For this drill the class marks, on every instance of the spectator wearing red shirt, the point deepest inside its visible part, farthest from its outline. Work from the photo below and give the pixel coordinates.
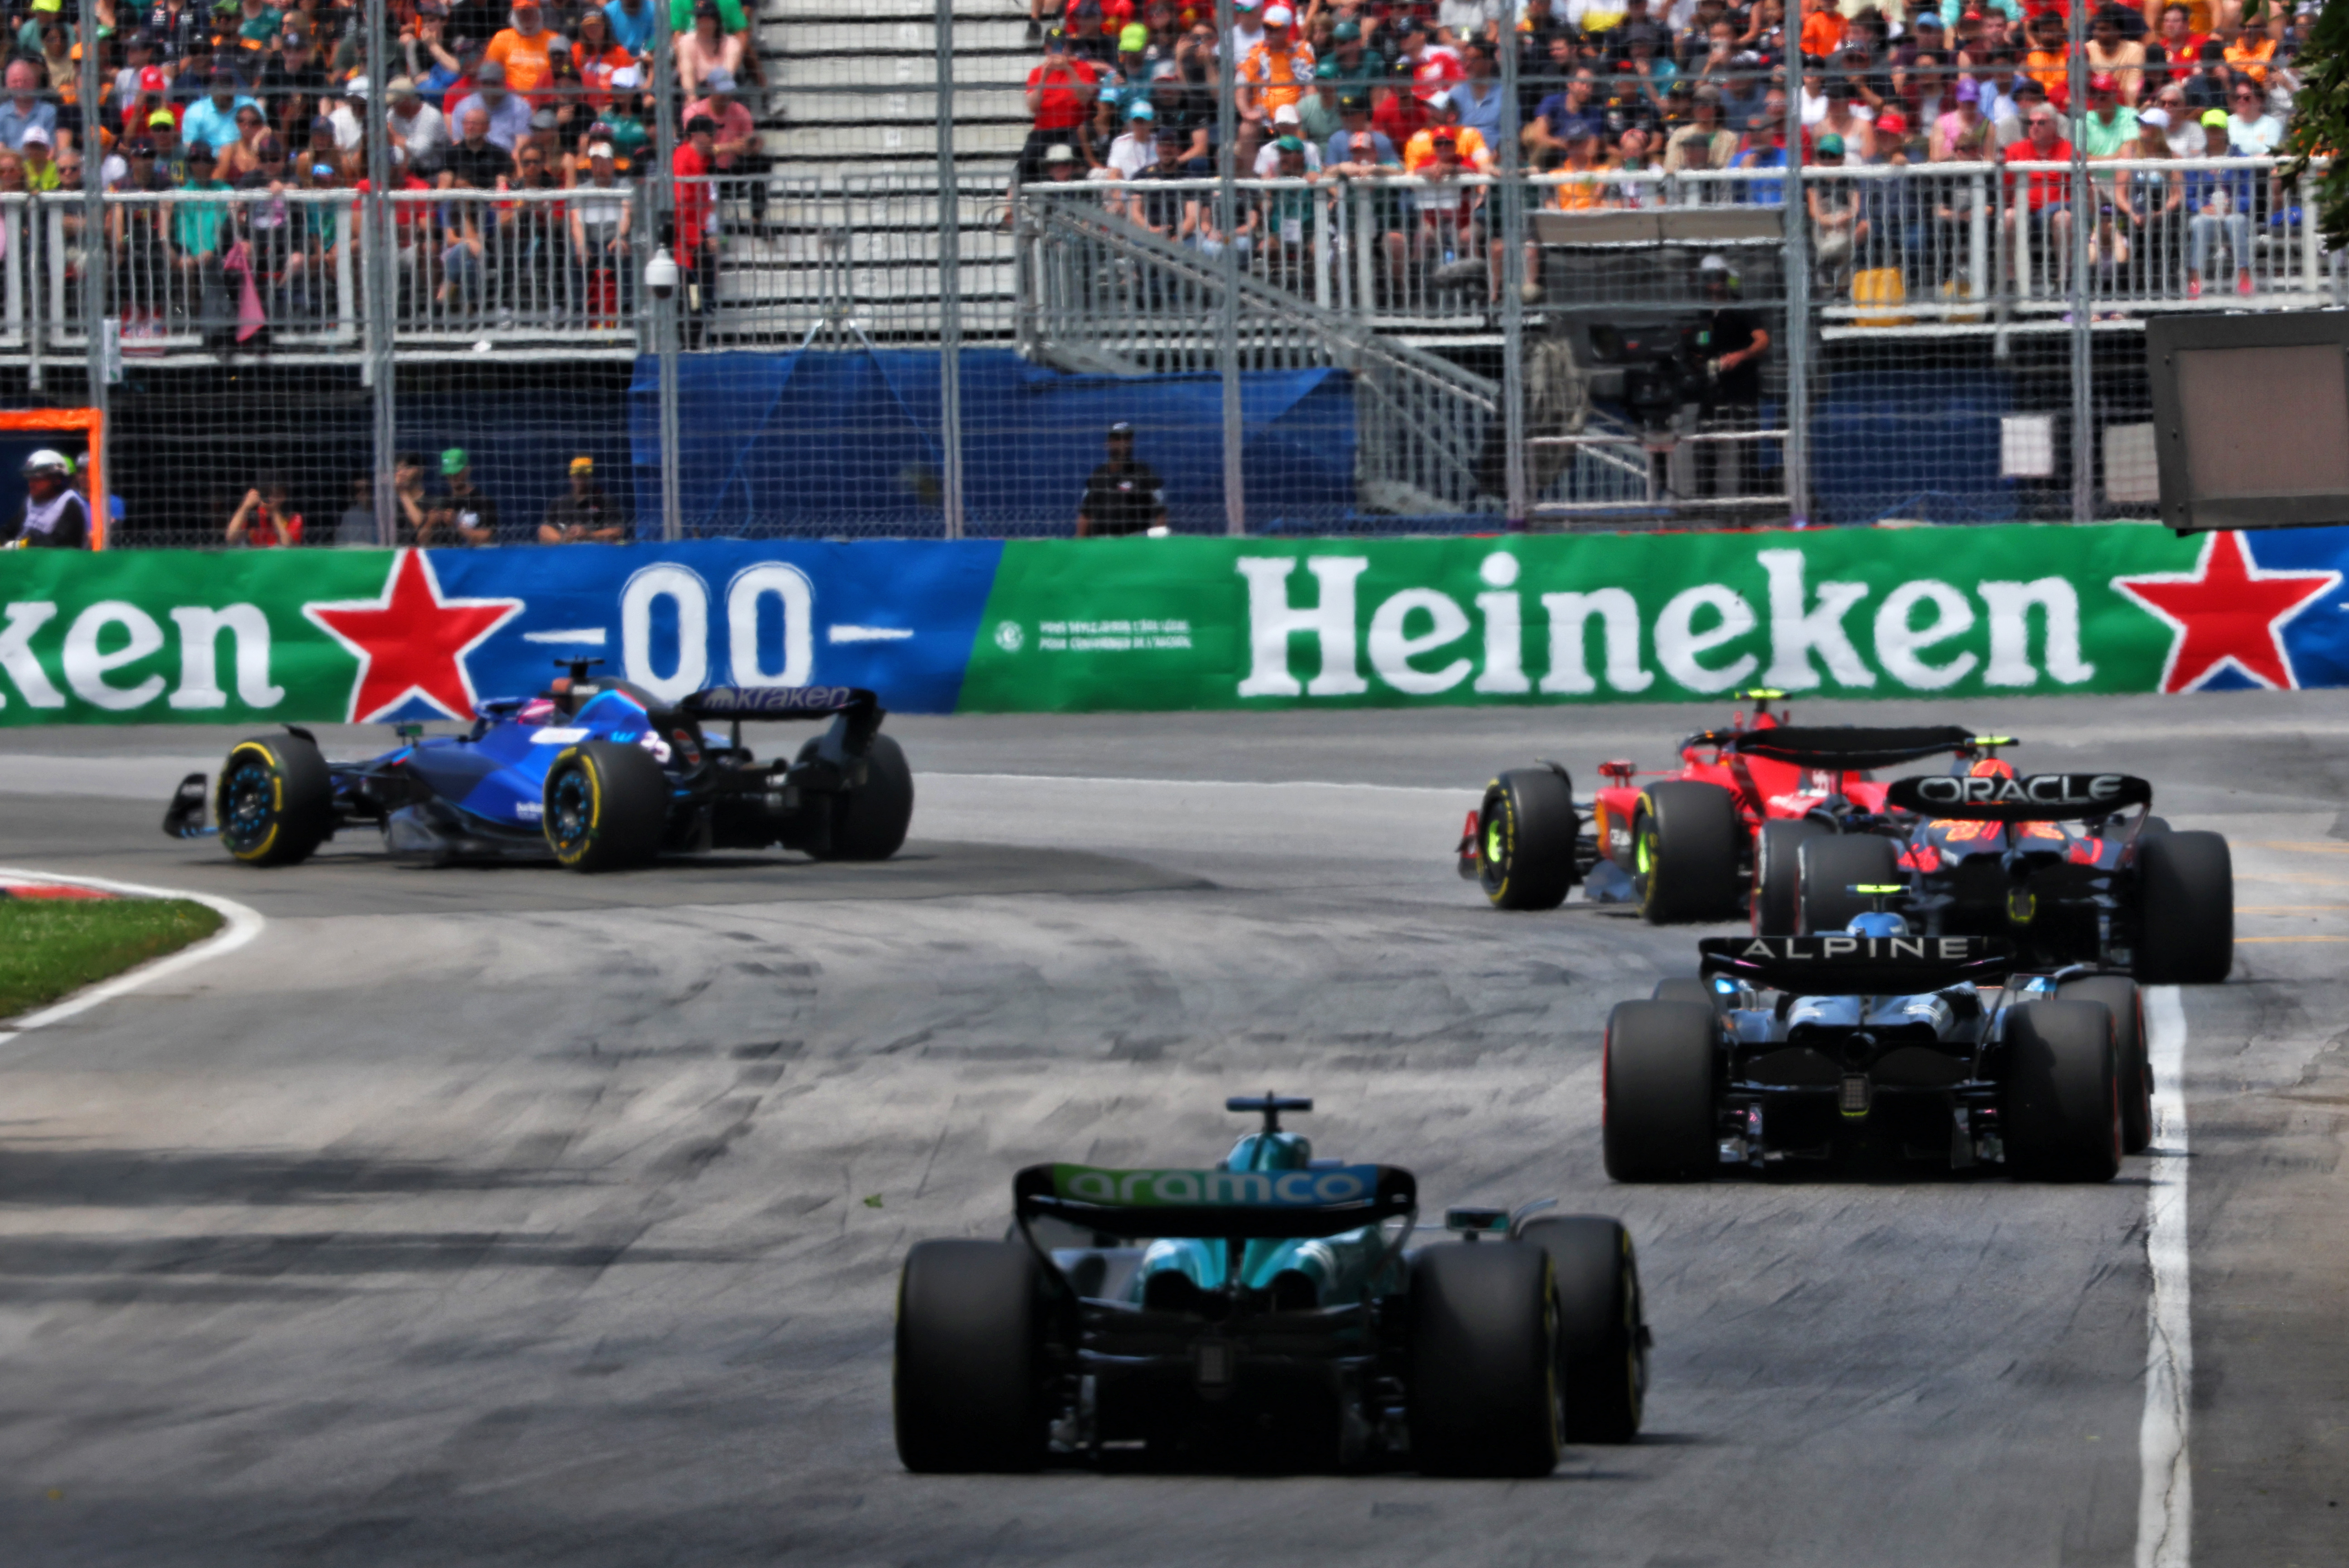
(697, 251)
(266, 519)
(1061, 94)
(2045, 203)
(739, 154)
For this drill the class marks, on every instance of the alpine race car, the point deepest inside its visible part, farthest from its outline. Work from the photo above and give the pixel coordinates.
(1720, 837)
(2071, 867)
(1268, 1311)
(593, 774)
(1924, 1048)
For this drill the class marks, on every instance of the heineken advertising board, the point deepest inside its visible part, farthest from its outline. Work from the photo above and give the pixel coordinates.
(1177, 623)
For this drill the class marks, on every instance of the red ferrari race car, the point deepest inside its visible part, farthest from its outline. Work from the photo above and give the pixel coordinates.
(1720, 836)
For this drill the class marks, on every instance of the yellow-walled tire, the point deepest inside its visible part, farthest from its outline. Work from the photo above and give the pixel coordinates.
(605, 807)
(1526, 834)
(274, 802)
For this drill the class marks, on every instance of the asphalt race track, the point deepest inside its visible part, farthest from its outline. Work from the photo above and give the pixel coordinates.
(508, 1216)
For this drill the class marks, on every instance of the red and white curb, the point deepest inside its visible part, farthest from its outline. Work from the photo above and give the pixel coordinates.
(243, 925)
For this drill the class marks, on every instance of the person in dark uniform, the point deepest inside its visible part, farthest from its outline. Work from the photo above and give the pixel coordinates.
(1123, 496)
(55, 516)
(1731, 343)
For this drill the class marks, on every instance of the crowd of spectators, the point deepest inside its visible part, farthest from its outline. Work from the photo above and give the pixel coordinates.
(266, 105)
(1614, 93)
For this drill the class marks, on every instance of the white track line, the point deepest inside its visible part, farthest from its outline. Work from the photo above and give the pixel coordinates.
(2164, 1509)
(1459, 790)
(243, 924)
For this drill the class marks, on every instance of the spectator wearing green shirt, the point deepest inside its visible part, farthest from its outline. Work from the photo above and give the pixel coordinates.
(258, 23)
(40, 170)
(201, 233)
(729, 16)
(2109, 129)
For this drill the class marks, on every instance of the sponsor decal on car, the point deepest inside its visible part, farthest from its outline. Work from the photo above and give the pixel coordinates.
(561, 735)
(2030, 789)
(746, 701)
(1166, 1189)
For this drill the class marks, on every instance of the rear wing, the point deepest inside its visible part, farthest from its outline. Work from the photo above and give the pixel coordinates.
(779, 701)
(2028, 797)
(1848, 748)
(1856, 966)
(1233, 1204)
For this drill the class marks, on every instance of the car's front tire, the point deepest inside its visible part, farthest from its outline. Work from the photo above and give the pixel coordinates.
(275, 800)
(1484, 1361)
(605, 807)
(1658, 1116)
(968, 1382)
(1526, 831)
(1685, 846)
(1602, 1332)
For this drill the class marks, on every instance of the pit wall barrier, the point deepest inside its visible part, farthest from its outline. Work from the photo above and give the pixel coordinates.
(1146, 624)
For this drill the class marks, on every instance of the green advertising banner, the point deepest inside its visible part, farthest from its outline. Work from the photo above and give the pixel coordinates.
(1243, 623)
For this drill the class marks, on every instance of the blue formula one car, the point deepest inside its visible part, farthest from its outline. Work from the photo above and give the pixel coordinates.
(1268, 1312)
(595, 774)
(1877, 1041)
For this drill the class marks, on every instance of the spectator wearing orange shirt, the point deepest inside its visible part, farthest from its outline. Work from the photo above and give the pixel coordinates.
(2250, 53)
(1277, 71)
(1822, 29)
(524, 49)
(1420, 151)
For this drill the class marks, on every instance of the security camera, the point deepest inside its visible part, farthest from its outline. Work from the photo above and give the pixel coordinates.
(660, 273)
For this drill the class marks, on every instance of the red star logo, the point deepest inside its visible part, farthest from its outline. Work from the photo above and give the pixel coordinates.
(2227, 611)
(412, 642)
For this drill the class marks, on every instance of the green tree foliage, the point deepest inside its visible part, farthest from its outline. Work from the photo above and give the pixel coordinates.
(2320, 120)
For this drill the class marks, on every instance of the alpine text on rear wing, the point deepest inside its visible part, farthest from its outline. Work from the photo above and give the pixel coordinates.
(1854, 965)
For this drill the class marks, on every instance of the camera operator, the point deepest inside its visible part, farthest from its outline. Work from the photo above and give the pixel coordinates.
(1731, 342)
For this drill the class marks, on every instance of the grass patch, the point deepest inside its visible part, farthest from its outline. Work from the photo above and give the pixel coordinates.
(50, 948)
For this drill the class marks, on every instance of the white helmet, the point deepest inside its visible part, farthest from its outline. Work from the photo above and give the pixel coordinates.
(46, 459)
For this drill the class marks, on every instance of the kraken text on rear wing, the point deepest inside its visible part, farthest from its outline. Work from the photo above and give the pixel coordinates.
(2029, 797)
(777, 701)
(1855, 965)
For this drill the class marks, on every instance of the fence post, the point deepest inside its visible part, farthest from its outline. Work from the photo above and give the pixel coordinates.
(949, 283)
(96, 254)
(1227, 320)
(661, 190)
(1512, 269)
(1797, 448)
(382, 289)
(2083, 217)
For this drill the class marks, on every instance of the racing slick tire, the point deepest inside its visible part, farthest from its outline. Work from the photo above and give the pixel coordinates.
(1484, 1361)
(1527, 831)
(1657, 1116)
(2061, 1120)
(968, 1380)
(1681, 988)
(2155, 827)
(606, 807)
(1602, 1334)
(2120, 997)
(869, 822)
(275, 801)
(1685, 845)
(1833, 862)
(2186, 909)
(1778, 901)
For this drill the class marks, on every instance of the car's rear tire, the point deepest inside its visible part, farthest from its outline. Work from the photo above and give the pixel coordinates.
(869, 822)
(1777, 897)
(968, 1380)
(1526, 831)
(1833, 862)
(2120, 997)
(1681, 988)
(1685, 847)
(1484, 1361)
(275, 800)
(2186, 908)
(1658, 1119)
(1602, 1331)
(2062, 1119)
(605, 807)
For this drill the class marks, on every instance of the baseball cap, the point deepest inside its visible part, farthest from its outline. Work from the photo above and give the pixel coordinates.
(1345, 32)
(321, 125)
(599, 150)
(402, 86)
(1287, 115)
(541, 119)
(1831, 145)
(1893, 120)
(454, 460)
(1714, 263)
(1288, 144)
(36, 133)
(1134, 39)
(699, 123)
(1279, 16)
(1123, 427)
(152, 79)
(1968, 91)
(1060, 153)
(356, 88)
(1140, 110)
(162, 117)
(2156, 118)
(583, 465)
(2216, 117)
(491, 73)
(141, 147)
(2103, 82)
(1439, 100)
(1354, 103)
(202, 152)
(627, 78)
(1326, 71)
(720, 80)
